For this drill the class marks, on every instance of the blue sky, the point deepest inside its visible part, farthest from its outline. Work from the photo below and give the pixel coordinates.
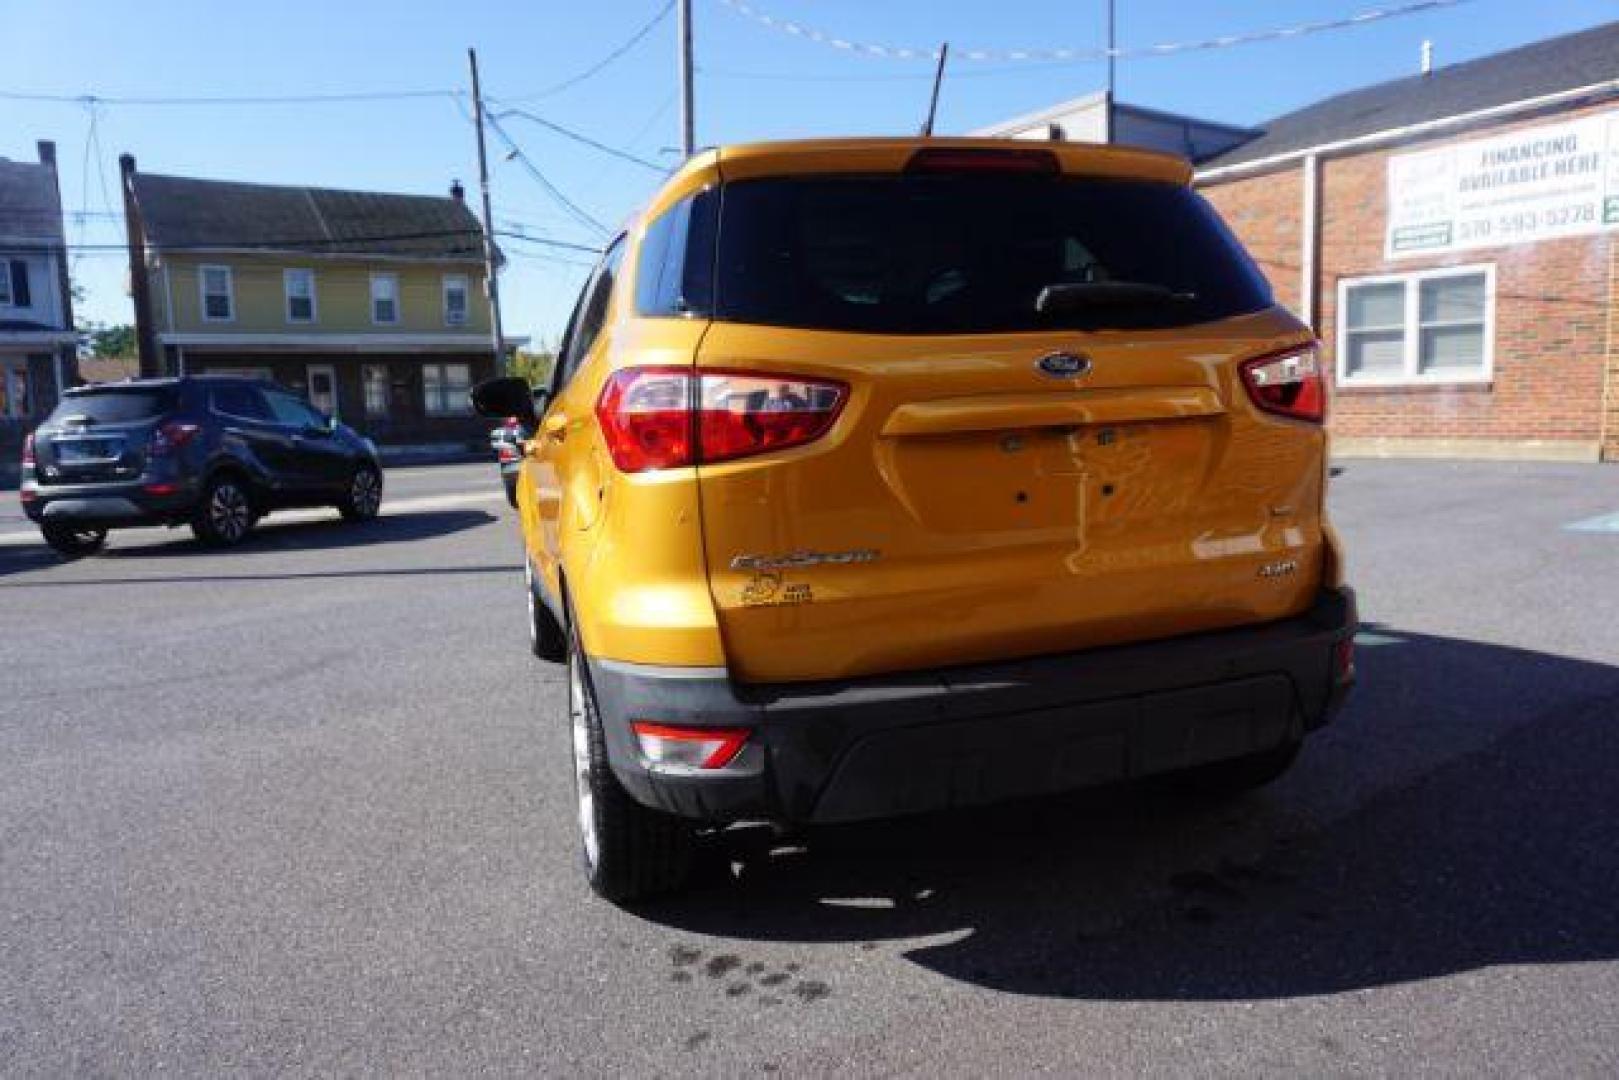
(754, 83)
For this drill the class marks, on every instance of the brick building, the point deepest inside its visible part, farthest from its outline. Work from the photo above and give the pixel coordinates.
(1453, 237)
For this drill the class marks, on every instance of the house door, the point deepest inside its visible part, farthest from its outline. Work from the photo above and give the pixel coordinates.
(323, 388)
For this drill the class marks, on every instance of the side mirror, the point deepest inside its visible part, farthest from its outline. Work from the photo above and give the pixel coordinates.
(503, 397)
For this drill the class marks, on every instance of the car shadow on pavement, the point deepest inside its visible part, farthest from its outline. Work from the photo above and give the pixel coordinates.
(1456, 816)
(129, 546)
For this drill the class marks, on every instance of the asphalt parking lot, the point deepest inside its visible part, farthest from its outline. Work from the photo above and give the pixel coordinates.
(305, 806)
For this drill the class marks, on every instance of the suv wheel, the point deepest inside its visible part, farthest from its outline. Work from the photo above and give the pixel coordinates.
(363, 499)
(545, 637)
(73, 540)
(630, 851)
(224, 515)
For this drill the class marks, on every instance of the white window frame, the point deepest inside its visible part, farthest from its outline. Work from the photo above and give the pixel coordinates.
(6, 292)
(287, 298)
(229, 294)
(1411, 373)
(366, 386)
(464, 408)
(398, 303)
(464, 283)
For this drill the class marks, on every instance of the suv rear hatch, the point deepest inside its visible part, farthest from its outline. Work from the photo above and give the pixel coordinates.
(1035, 433)
(101, 434)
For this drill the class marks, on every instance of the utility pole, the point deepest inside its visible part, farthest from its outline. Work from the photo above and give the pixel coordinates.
(1112, 60)
(492, 284)
(688, 122)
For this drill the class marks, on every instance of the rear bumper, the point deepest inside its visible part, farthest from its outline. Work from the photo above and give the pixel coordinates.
(919, 741)
(106, 505)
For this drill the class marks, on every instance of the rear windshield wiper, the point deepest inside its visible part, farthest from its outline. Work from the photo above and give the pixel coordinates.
(1075, 295)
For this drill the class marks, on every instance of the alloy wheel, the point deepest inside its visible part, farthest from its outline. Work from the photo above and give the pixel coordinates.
(229, 512)
(579, 724)
(365, 493)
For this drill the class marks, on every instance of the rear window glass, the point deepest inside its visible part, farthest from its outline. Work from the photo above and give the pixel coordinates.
(116, 406)
(956, 253)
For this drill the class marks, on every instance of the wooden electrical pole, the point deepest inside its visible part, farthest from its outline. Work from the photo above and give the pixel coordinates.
(490, 256)
(688, 122)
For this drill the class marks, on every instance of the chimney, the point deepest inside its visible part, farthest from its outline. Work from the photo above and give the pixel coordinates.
(457, 192)
(47, 153)
(1427, 57)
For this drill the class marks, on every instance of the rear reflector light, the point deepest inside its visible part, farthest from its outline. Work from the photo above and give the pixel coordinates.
(28, 450)
(945, 160)
(697, 748)
(171, 437)
(1288, 384)
(160, 489)
(666, 418)
(1343, 659)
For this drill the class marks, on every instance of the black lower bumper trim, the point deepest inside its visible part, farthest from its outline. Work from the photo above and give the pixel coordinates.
(917, 741)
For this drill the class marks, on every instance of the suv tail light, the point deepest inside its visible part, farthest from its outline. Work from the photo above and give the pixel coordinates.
(1288, 383)
(696, 748)
(665, 418)
(28, 450)
(171, 437)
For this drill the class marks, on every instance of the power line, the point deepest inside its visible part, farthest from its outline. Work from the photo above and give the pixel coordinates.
(548, 242)
(585, 140)
(516, 152)
(275, 99)
(633, 40)
(905, 52)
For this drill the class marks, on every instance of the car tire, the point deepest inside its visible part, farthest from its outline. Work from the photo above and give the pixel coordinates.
(546, 638)
(1227, 779)
(74, 541)
(629, 851)
(225, 514)
(363, 499)
(511, 489)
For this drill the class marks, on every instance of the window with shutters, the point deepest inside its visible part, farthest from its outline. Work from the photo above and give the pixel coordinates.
(1430, 326)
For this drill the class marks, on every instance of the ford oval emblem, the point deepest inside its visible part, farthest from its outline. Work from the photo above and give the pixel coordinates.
(1064, 365)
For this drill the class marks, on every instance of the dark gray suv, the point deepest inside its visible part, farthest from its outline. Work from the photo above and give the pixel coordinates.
(213, 452)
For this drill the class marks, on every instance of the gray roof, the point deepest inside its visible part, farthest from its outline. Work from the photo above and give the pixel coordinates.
(181, 212)
(1545, 67)
(29, 209)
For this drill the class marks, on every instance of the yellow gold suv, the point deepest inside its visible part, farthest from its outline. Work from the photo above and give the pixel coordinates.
(887, 475)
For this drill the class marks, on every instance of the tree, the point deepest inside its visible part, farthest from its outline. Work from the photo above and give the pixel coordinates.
(535, 367)
(110, 342)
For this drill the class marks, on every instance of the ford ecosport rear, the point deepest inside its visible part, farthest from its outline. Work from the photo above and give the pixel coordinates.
(885, 476)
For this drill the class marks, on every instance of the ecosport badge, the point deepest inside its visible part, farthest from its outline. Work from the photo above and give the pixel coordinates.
(803, 558)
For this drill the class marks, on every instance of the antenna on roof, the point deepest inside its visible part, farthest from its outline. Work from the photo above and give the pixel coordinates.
(1427, 56)
(938, 78)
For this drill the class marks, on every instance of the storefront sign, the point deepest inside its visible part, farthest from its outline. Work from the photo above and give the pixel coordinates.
(1534, 184)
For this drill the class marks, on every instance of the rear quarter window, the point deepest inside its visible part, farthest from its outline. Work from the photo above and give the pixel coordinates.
(115, 406)
(962, 253)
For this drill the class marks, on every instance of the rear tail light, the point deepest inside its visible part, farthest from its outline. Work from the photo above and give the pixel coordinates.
(507, 453)
(28, 450)
(1288, 384)
(696, 748)
(665, 418)
(170, 437)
